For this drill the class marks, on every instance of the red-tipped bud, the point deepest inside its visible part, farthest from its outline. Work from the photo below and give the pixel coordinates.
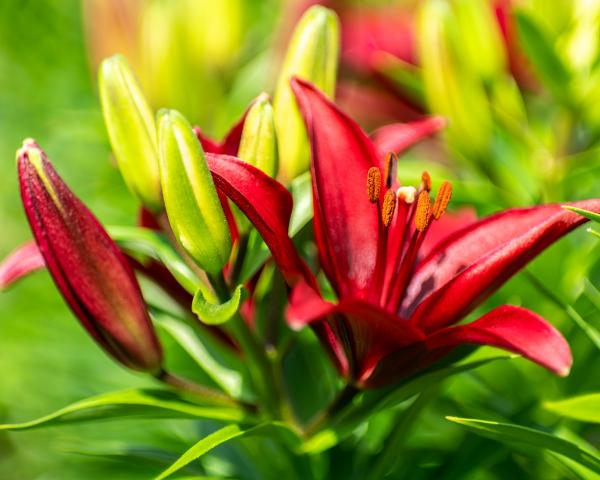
(88, 268)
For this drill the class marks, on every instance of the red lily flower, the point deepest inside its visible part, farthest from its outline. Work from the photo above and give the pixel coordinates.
(88, 268)
(396, 307)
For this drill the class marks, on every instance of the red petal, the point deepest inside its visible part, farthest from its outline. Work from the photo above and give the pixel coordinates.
(399, 137)
(21, 262)
(368, 333)
(442, 229)
(88, 268)
(208, 144)
(267, 204)
(231, 142)
(345, 221)
(514, 329)
(472, 264)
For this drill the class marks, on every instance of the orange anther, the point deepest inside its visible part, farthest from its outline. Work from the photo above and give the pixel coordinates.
(390, 169)
(389, 205)
(373, 184)
(423, 212)
(426, 181)
(442, 199)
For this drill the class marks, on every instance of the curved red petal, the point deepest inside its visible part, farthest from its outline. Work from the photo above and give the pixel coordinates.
(267, 204)
(514, 329)
(345, 221)
(399, 137)
(468, 267)
(21, 262)
(366, 332)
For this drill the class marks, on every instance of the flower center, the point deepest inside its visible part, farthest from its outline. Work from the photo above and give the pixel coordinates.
(405, 215)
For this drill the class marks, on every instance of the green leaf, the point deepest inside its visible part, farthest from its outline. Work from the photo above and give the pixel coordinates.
(403, 75)
(222, 436)
(147, 244)
(363, 407)
(534, 440)
(593, 232)
(585, 213)
(302, 213)
(134, 403)
(585, 408)
(217, 313)
(228, 379)
(541, 53)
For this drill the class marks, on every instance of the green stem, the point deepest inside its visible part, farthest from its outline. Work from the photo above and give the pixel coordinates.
(207, 394)
(343, 398)
(392, 447)
(261, 368)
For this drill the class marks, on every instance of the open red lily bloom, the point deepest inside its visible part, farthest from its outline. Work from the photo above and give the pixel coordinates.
(396, 307)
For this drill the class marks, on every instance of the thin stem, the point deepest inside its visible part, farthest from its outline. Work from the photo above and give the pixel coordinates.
(392, 447)
(207, 394)
(343, 398)
(239, 258)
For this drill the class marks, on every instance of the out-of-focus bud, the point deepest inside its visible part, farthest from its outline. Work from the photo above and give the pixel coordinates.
(258, 145)
(131, 129)
(88, 268)
(312, 55)
(450, 90)
(193, 206)
(481, 46)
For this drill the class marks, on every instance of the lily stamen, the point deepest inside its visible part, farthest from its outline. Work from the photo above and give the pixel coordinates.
(373, 184)
(425, 182)
(388, 208)
(423, 211)
(442, 199)
(391, 164)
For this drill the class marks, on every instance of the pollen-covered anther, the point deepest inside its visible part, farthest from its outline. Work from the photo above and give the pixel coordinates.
(426, 181)
(373, 184)
(442, 199)
(390, 168)
(423, 211)
(389, 205)
(406, 194)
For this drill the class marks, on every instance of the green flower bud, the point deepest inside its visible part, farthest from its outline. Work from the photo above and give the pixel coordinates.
(311, 55)
(190, 196)
(258, 145)
(131, 129)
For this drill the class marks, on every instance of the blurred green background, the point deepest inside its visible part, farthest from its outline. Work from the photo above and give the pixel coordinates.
(47, 91)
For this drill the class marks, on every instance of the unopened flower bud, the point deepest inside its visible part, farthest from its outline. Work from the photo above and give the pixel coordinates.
(131, 129)
(313, 56)
(193, 206)
(88, 268)
(258, 145)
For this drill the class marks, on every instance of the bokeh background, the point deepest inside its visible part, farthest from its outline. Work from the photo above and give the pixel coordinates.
(48, 53)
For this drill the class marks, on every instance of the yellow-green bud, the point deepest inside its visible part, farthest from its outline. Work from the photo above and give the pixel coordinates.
(311, 55)
(190, 196)
(258, 145)
(131, 129)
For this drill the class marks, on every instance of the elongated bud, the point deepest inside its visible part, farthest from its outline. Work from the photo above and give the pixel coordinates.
(311, 55)
(131, 129)
(191, 199)
(88, 268)
(258, 145)
(423, 212)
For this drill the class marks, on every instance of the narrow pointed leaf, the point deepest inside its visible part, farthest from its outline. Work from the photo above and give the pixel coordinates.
(134, 403)
(586, 213)
(585, 408)
(21, 262)
(217, 313)
(533, 440)
(222, 436)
